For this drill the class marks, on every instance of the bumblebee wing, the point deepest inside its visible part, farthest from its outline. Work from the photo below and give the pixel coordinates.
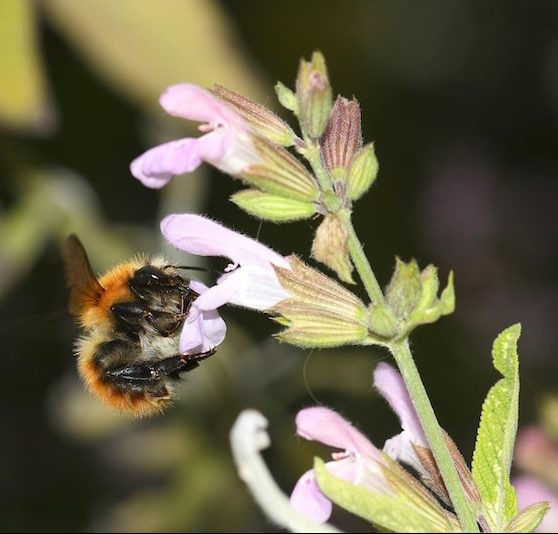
(81, 279)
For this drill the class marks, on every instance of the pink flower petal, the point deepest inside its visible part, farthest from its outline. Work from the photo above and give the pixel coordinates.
(191, 337)
(229, 150)
(195, 103)
(217, 296)
(199, 287)
(156, 167)
(328, 427)
(390, 384)
(198, 235)
(308, 499)
(214, 329)
(202, 331)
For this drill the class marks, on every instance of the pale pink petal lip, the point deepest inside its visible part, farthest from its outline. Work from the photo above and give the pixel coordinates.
(328, 427)
(308, 499)
(192, 102)
(390, 384)
(201, 236)
(156, 167)
(191, 338)
(203, 330)
(217, 295)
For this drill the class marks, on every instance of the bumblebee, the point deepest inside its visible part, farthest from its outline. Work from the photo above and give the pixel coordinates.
(131, 317)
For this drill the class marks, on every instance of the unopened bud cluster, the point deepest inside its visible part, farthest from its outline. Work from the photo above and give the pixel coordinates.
(411, 300)
(282, 188)
(339, 169)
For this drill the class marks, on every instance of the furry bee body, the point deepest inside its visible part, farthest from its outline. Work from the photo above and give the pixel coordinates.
(131, 317)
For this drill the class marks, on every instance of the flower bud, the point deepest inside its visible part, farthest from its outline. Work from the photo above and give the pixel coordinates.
(313, 94)
(263, 121)
(362, 172)
(319, 311)
(270, 207)
(342, 138)
(412, 296)
(404, 289)
(280, 173)
(286, 97)
(330, 247)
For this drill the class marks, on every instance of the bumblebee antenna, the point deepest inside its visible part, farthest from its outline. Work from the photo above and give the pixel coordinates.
(191, 267)
(195, 268)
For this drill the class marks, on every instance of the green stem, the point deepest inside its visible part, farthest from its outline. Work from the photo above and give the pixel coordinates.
(402, 354)
(360, 260)
(314, 156)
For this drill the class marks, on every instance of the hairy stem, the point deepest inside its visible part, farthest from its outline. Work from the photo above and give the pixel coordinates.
(314, 156)
(404, 359)
(402, 354)
(360, 260)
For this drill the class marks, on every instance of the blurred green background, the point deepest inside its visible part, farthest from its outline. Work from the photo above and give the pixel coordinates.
(461, 100)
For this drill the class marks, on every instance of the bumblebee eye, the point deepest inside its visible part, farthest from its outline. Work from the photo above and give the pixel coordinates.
(147, 276)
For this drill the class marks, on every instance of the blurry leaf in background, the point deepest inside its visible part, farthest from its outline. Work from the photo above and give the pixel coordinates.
(549, 415)
(142, 47)
(52, 204)
(23, 94)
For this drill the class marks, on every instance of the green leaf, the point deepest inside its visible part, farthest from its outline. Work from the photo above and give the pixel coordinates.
(272, 207)
(529, 519)
(388, 512)
(142, 47)
(496, 434)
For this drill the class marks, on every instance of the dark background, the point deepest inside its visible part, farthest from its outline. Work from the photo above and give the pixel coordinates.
(461, 101)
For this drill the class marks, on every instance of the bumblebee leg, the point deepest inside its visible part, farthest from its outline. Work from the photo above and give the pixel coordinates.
(131, 315)
(175, 365)
(150, 373)
(134, 316)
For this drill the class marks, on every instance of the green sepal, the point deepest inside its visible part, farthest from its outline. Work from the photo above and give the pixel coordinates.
(280, 173)
(391, 513)
(286, 97)
(362, 172)
(270, 207)
(327, 333)
(404, 289)
(529, 519)
(381, 322)
(430, 308)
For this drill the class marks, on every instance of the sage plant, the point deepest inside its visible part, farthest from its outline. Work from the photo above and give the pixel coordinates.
(321, 172)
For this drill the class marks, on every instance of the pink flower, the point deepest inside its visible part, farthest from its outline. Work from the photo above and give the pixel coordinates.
(250, 282)
(202, 330)
(390, 384)
(360, 462)
(359, 456)
(226, 143)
